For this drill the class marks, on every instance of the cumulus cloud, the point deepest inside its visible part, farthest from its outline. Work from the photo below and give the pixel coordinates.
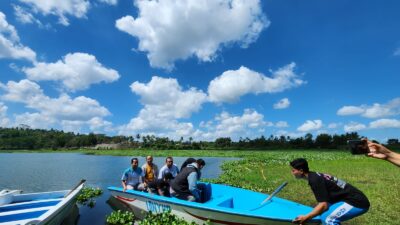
(61, 9)
(376, 110)
(354, 126)
(10, 46)
(282, 104)
(4, 121)
(230, 125)
(35, 120)
(165, 103)
(310, 125)
(165, 98)
(50, 111)
(197, 26)
(76, 71)
(350, 110)
(233, 84)
(385, 123)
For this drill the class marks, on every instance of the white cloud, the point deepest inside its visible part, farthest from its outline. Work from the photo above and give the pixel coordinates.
(10, 46)
(35, 120)
(281, 124)
(76, 71)
(110, 2)
(233, 84)
(61, 9)
(350, 110)
(23, 16)
(165, 103)
(310, 125)
(250, 124)
(354, 126)
(372, 111)
(164, 97)
(4, 121)
(385, 123)
(182, 29)
(51, 111)
(230, 125)
(282, 104)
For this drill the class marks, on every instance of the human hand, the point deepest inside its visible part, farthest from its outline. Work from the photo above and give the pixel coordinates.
(300, 220)
(124, 189)
(377, 150)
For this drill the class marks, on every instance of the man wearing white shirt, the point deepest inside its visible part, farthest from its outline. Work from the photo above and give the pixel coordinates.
(169, 167)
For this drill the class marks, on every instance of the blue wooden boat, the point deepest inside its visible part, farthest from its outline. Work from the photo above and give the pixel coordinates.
(222, 204)
(37, 208)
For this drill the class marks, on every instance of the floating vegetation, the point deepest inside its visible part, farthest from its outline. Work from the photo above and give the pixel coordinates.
(120, 218)
(164, 218)
(87, 195)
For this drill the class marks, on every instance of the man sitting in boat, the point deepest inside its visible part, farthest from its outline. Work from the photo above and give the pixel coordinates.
(150, 171)
(132, 177)
(337, 200)
(185, 184)
(169, 167)
(161, 186)
(187, 162)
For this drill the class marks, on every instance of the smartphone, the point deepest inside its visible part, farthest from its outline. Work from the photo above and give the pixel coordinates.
(358, 147)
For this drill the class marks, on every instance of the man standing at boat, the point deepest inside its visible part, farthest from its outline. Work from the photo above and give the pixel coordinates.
(185, 184)
(132, 177)
(169, 167)
(338, 201)
(150, 170)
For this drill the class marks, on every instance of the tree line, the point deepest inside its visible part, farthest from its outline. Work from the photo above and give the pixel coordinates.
(34, 139)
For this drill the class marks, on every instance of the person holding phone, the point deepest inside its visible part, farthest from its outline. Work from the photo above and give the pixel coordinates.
(338, 201)
(379, 151)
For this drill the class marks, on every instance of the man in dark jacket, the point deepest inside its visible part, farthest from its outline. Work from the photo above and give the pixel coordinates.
(185, 184)
(337, 200)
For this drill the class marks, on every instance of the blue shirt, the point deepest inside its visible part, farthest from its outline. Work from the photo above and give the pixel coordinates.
(132, 177)
(173, 170)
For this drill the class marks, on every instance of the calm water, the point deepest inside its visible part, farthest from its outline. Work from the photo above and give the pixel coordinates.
(33, 172)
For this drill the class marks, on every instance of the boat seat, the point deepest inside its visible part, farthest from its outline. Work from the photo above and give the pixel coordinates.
(223, 201)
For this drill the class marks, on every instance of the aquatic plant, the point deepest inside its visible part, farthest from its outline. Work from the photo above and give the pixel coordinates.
(164, 218)
(120, 218)
(87, 195)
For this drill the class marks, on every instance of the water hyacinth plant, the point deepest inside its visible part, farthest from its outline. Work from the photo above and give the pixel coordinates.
(87, 195)
(164, 218)
(120, 218)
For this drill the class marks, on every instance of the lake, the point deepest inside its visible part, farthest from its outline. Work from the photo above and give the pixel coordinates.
(37, 172)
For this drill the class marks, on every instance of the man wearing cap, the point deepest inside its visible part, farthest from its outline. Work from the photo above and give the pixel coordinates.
(338, 201)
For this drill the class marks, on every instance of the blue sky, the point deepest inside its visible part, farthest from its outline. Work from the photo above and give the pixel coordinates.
(202, 69)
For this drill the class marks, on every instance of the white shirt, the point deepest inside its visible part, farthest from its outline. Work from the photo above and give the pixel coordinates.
(173, 170)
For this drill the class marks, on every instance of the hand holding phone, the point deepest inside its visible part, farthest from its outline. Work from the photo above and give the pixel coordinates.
(358, 147)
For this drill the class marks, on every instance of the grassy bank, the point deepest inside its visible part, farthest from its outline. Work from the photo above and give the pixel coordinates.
(265, 170)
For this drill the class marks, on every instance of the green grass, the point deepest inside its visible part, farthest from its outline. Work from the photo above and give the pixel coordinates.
(265, 170)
